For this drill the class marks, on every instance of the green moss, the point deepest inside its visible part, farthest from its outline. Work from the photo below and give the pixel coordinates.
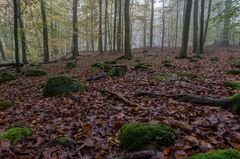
(235, 103)
(35, 72)
(236, 64)
(134, 137)
(34, 65)
(72, 64)
(143, 66)
(233, 72)
(164, 77)
(233, 84)
(65, 141)
(193, 60)
(189, 76)
(117, 71)
(101, 65)
(5, 104)
(16, 134)
(59, 85)
(219, 154)
(5, 77)
(123, 58)
(166, 63)
(214, 59)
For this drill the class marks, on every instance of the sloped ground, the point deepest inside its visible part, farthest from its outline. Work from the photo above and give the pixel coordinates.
(94, 119)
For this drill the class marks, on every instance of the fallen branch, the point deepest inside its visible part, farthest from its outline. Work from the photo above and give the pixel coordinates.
(231, 103)
(120, 97)
(139, 155)
(100, 76)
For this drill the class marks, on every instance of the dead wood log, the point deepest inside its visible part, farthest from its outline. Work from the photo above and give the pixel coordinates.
(120, 97)
(231, 103)
(98, 77)
(139, 155)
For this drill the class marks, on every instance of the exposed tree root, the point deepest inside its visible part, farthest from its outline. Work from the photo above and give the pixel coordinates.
(121, 98)
(231, 103)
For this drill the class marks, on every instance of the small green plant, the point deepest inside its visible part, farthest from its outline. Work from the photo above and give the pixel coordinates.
(134, 137)
(65, 141)
(15, 134)
(233, 72)
(233, 84)
(5, 104)
(143, 66)
(59, 85)
(164, 77)
(72, 64)
(101, 65)
(5, 77)
(166, 63)
(188, 76)
(34, 65)
(117, 71)
(234, 103)
(35, 72)
(218, 154)
(236, 64)
(193, 60)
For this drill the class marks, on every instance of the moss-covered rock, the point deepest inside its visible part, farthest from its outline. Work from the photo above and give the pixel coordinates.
(235, 103)
(5, 77)
(59, 85)
(164, 77)
(117, 71)
(15, 134)
(35, 72)
(219, 154)
(5, 104)
(188, 76)
(166, 63)
(233, 84)
(134, 137)
(233, 72)
(142, 66)
(65, 141)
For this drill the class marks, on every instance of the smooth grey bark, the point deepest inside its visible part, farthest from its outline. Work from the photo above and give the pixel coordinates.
(2, 52)
(106, 26)
(176, 32)
(195, 26)
(119, 30)
(75, 52)
(207, 21)
(115, 26)
(163, 26)
(151, 23)
(227, 23)
(127, 46)
(100, 47)
(201, 34)
(15, 9)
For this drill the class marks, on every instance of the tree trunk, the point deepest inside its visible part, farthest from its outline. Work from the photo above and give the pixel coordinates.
(75, 30)
(100, 47)
(106, 26)
(195, 26)
(163, 26)
(15, 7)
(115, 26)
(207, 21)
(201, 34)
(151, 23)
(119, 32)
(176, 32)
(3, 55)
(45, 32)
(127, 46)
(227, 23)
(186, 26)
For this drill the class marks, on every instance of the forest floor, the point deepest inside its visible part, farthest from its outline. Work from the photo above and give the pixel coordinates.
(94, 119)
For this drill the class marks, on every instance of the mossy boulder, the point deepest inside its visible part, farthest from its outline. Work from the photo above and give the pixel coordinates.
(134, 137)
(117, 71)
(35, 72)
(142, 66)
(65, 141)
(234, 72)
(166, 63)
(59, 85)
(233, 84)
(15, 134)
(188, 76)
(5, 77)
(235, 103)
(218, 154)
(5, 104)
(164, 77)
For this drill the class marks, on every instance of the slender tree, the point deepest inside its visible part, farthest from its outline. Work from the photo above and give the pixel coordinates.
(115, 26)
(207, 21)
(176, 32)
(119, 30)
(201, 34)
(128, 52)
(186, 26)
(106, 26)
(45, 31)
(151, 23)
(2, 52)
(15, 10)
(75, 30)
(195, 26)
(100, 47)
(227, 23)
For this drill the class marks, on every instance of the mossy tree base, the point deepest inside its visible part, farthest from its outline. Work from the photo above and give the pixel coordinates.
(59, 85)
(15, 134)
(219, 154)
(142, 66)
(134, 137)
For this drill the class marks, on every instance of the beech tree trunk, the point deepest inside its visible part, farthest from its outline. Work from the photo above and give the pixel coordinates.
(128, 52)
(115, 26)
(15, 8)
(207, 22)
(227, 23)
(201, 40)
(151, 23)
(100, 47)
(45, 32)
(119, 32)
(75, 30)
(2, 52)
(195, 26)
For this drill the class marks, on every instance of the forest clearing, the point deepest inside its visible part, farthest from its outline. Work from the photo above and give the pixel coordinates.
(119, 79)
